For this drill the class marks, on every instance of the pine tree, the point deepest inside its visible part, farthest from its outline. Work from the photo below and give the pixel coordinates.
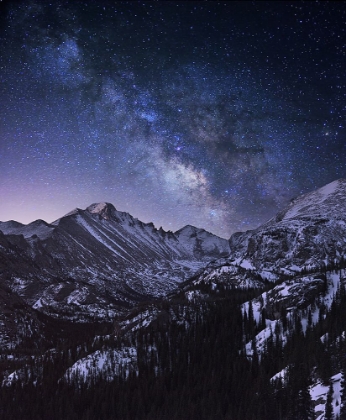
(343, 390)
(299, 398)
(305, 409)
(251, 320)
(343, 397)
(329, 414)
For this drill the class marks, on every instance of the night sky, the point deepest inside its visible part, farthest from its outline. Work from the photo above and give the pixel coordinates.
(214, 114)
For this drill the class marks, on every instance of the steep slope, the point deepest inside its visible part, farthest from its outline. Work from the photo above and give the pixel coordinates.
(99, 260)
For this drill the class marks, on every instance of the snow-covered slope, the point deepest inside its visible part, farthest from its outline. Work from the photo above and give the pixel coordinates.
(107, 363)
(324, 202)
(200, 243)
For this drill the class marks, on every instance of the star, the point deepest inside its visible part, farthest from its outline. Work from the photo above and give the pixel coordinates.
(213, 114)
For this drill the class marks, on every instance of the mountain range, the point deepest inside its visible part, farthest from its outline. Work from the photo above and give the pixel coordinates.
(103, 266)
(99, 261)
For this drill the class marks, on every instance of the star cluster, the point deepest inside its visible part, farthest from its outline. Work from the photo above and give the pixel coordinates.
(214, 114)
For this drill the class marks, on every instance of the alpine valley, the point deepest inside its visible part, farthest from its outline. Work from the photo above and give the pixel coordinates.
(105, 317)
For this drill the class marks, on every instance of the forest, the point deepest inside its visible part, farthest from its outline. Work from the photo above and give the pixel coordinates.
(194, 369)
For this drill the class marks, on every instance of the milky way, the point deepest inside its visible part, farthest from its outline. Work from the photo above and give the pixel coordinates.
(214, 114)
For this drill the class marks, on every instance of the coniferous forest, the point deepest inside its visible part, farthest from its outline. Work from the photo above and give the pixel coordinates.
(191, 369)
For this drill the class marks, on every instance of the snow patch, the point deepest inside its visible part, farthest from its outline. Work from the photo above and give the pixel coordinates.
(107, 364)
(319, 393)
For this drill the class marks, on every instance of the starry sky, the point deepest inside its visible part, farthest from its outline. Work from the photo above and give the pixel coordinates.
(214, 114)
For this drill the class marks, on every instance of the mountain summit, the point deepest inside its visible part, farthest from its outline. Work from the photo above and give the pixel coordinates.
(324, 202)
(105, 210)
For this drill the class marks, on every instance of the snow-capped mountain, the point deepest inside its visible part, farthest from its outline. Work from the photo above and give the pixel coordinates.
(100, 260)
(306, 236)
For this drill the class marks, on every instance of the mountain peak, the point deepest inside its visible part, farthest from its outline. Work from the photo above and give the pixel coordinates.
(104, 210)
(326, 201)
(189, 229)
